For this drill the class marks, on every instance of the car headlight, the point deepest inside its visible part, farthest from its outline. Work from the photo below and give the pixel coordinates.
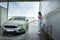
(20, 25)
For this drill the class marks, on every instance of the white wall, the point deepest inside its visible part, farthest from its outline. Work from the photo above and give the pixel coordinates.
(51, 12)
(3, 14)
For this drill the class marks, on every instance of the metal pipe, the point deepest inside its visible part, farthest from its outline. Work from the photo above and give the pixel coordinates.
(7, 8)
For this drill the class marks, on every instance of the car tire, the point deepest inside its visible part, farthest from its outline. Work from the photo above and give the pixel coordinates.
(4, 33)
(24, 31)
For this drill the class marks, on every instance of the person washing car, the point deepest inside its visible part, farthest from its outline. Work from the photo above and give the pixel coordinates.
(39, 21)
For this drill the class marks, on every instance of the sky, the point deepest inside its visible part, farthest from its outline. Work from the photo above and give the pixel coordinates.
(28, 9)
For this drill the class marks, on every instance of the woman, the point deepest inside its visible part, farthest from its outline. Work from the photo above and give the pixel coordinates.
(39, 21)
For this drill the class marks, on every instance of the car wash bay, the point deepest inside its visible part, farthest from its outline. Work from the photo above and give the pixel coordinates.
(31, 34)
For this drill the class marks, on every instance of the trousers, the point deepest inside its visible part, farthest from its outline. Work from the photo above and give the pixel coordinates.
(39, 24)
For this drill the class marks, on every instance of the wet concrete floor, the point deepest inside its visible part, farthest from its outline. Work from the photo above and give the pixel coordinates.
(31, 34)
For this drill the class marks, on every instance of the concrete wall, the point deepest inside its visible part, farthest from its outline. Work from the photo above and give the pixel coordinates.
(51, 14)
(55, 22)
(50, 0)
(48, 6)
(3, 15)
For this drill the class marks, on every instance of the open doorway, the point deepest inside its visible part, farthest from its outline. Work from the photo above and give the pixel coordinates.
(28, 9)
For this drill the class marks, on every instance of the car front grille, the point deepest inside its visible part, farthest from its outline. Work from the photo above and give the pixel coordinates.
(9, 26)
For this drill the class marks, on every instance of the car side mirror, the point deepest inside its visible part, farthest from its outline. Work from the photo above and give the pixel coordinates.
(9, 19)
(27, 20)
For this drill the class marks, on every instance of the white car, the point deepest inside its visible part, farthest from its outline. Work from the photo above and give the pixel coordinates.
(16, 24)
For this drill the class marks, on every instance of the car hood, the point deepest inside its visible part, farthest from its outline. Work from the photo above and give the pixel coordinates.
(14, 22)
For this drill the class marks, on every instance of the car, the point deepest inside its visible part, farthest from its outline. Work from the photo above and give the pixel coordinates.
(17, 24)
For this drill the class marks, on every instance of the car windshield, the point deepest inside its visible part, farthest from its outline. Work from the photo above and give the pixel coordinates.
(8, 26)
(19, 18)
